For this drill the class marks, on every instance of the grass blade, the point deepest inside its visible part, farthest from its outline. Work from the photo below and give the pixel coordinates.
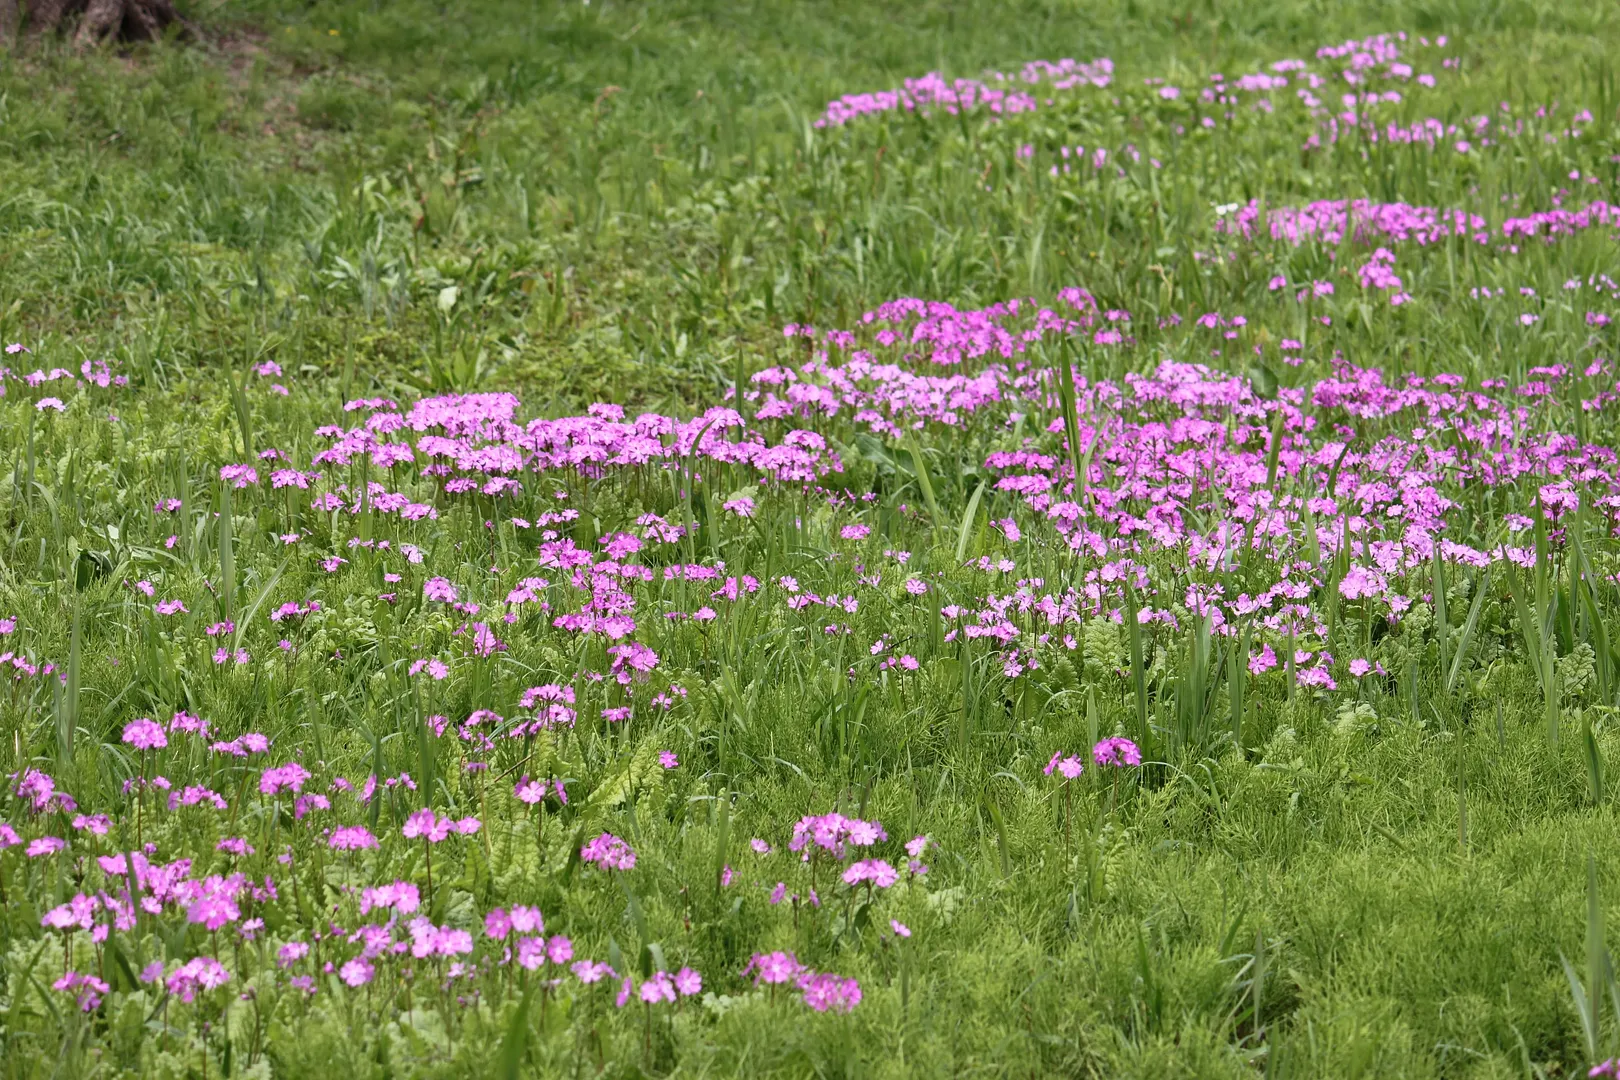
(968, 516)
(1466, 637)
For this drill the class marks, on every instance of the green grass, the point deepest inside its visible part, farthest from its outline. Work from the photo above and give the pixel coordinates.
(313, 193)
(629, 203)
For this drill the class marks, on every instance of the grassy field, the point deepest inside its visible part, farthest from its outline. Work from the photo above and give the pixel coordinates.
(585, 540)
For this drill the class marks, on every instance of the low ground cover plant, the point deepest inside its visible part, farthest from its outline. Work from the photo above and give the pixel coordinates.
(1097, 566)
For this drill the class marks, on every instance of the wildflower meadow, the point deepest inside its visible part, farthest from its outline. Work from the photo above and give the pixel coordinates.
(632, 539)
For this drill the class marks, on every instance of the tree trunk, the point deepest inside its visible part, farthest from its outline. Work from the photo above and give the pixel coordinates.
(44, 16)
(146, 20)
(104, 20)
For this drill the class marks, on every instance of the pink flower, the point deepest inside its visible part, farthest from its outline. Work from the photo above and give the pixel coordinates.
(357, 972)
(1116, 751)
(590, 971)
(425, 824)
(773, 968)
(199, 973)
(667, 759)
(527, 920)
(97, 824)
(1262, 661)
(1070, 767)
(402, 896)
(609, 852)
(87, 989)
(78, 914)
(658, 988)
(631, 660)
(876, 871)
(351, 838)
(829, 993)
(900, 929)
(440, 589)
(531, 953)
(144, 734)
(290, 777)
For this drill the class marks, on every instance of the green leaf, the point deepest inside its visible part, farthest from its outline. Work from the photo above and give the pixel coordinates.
(722, 836)
(968, 515)
(923, 482)
(1467, 636)
(516, 1041)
